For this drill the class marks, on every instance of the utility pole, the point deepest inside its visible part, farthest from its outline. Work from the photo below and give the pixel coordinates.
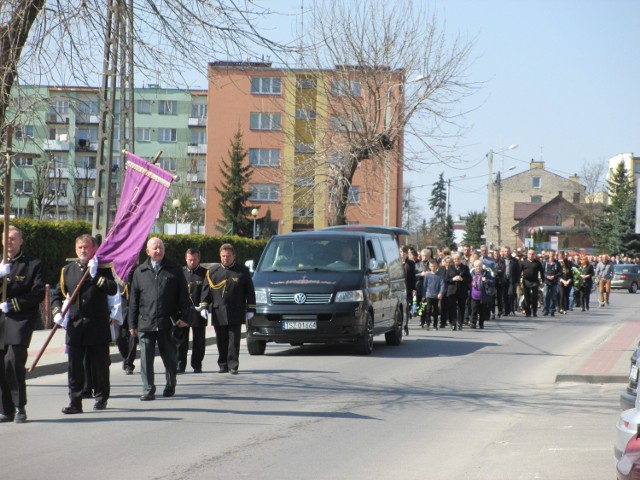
(117, 71)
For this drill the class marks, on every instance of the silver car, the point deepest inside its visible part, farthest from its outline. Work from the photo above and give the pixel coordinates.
(626, 276)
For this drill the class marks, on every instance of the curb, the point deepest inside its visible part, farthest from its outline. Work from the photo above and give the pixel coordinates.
(569, 377)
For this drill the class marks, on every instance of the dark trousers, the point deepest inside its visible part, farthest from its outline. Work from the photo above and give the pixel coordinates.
(432, 311)
(228, 341)
(456, 309)
(98, 363)
(531, 300)
(13, 386)
(168, 354)
(497, 299)
(564, 297)
(585, 294)
(127, 346)
(479, 312)
(508, 299)
(197, 350)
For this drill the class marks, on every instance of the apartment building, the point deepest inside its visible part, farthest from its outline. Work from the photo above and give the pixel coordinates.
(293, 122)
(57, 126)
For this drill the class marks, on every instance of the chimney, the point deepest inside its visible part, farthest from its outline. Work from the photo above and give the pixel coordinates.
(535, 164)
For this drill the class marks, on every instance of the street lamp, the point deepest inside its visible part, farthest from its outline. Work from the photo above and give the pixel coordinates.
(489, 189)
(499, 190)
(446, 209)
(19, 195)
(254, 214)
(176, 204)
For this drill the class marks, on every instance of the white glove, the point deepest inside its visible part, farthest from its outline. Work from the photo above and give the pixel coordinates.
(60, 320)
(249, 315)
(65, 307)
(5, 269)
(93, 267)
(5, 307)
(204, 313)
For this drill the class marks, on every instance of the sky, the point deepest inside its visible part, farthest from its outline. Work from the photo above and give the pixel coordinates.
(560, 80)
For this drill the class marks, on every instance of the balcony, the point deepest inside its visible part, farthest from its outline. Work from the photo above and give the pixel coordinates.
(195, 177)
(55, 145)
(59, 173)
(197, 149)
(86, 146)
(197, 121)
(55, 118)
(88, 119)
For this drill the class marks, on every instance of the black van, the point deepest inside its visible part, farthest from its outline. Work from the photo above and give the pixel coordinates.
(328, 286)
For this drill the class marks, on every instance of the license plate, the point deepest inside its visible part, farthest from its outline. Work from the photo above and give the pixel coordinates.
(633, 374)
(299, 325)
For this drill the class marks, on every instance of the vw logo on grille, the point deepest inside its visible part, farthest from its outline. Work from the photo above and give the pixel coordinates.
(300, 298)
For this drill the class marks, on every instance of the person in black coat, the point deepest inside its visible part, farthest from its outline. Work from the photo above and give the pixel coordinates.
(195, 275)
(87, 321)
(458, 280)
(532, 274)
(511, 281)
(25, 291)
(157, 301)
(230, 298)
(410, 280)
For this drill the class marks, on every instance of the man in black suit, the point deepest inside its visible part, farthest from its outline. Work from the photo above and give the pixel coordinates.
(20, 313)
(410, 280)
(511, 271)
(88, 323)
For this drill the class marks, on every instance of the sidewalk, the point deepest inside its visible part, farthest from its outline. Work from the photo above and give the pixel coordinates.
(54, 358)
(609, 360)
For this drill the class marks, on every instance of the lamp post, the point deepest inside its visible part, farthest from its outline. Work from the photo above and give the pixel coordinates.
(499, 190)
(446, 209)
(254, 214)
(19, 195)
(176, 204)
(490, 185)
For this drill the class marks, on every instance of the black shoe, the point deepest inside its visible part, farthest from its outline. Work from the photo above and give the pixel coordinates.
(233, 371)
(128, 371)
(406, 330)
(21, 415)
(223, 370)
(100, 405)
(460, 327)
(5, 418)
(453, 327)
(147, 397)
(473, 325)
(197, 370)
(482, 326)
(583, 309)
(169, 392)
(535, 315)
(544, 314)
(71, 410)
(553, 314)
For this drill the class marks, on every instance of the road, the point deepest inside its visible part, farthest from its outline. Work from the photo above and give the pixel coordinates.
(475, 404)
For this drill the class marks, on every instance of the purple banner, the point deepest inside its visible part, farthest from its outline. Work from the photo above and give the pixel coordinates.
(144, 189)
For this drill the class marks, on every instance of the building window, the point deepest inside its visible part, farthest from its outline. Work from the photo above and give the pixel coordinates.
(353, 197)
(536, 199)
(339, 123)
(266, 85)
(306, 83)
(25, 185)
(169, 164)
(24, 132)
(168, 107)
(198, 137)
(576, 197)
(88, 107)
(265, 121)
(143, 134)
(264, 192)
(144, 107)
(536, 182)
(340, 88)
(23, 162)
(199, 110)
(305, 148)
(305, 114)
(264, 157)
(303, 212)
(84, 162)
(167, 135)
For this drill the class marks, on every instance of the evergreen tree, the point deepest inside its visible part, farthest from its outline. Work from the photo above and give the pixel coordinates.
(233, 195)
(474, 228)
(267, 230)
(614, 234)
(441, 224)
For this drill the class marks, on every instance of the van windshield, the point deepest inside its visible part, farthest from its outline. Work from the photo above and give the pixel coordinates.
(311, 254)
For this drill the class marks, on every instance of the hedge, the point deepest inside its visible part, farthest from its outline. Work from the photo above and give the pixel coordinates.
(53, 243)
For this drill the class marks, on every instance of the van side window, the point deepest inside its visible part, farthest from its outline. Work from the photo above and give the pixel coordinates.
(374, 249)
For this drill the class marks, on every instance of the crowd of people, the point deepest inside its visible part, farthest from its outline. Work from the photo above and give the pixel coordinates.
(160, 304)
(472, 286)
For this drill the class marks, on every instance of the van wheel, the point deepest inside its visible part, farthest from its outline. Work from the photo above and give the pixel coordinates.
(394, 337)
(256, 347)
(633, 288)
(364, 346)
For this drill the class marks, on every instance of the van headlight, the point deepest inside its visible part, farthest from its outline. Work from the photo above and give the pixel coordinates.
(351, 296)
(261, 297)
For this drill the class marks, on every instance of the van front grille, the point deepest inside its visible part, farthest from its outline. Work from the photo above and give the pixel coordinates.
(310, 298)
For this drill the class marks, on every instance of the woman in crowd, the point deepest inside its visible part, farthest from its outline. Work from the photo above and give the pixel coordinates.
(566, 284)
(587, 275)
(457, 279)
(480, 299)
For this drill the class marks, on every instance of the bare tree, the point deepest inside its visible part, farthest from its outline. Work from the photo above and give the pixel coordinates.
(592, 176)
(387, 72)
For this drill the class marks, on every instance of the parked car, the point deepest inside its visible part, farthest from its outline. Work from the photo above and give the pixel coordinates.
(626, 277)
(628, 397)
(343, 285)
(628, 466)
